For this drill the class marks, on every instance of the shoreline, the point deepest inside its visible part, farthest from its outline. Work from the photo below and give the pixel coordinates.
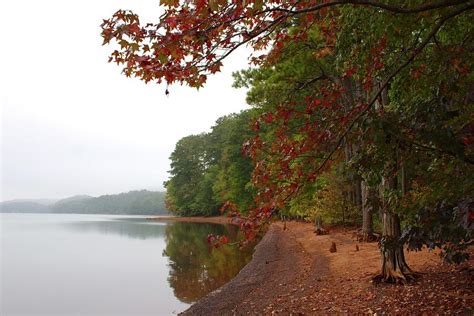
(292, 271)
(226, 299)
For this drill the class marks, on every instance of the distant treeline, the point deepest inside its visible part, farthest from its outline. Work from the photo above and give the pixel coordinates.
(134, 202)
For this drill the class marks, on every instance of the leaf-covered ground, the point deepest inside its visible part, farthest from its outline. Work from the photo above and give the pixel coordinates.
(293, 272)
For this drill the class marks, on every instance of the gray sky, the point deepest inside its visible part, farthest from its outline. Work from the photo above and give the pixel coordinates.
(71, 123)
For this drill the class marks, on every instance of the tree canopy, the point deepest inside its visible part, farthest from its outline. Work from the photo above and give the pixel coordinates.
(209, 169)
(376, 93)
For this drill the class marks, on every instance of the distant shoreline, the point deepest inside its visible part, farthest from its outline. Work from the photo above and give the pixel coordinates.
(145, 216)
(193, 219)
(143, 202)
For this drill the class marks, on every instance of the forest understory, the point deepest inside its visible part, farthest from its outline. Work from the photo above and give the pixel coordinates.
(294, 273)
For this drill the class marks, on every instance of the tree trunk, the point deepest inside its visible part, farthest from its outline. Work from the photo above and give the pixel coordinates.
(343, 209)
(394, 266)
(368, 207)
(404, 178)
(358, 191)
(318, 226)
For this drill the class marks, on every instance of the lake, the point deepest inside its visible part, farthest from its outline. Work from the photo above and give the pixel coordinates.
(67, 264)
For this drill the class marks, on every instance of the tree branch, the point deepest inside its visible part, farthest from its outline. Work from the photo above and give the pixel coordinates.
(415, 52)
(387, 7)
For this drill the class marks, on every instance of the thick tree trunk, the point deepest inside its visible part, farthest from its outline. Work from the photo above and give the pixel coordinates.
(394, 266)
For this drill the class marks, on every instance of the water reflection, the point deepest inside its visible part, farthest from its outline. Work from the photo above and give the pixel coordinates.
(196, 270)
(126, 227)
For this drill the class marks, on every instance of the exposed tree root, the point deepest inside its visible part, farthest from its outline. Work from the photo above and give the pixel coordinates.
(320, 231)
(366, 237)
(396, 276)
(395, 269)
(369, 237)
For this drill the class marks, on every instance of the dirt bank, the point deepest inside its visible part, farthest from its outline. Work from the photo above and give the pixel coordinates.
(293, 272)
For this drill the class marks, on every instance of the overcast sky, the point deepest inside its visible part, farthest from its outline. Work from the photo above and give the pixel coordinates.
(71, 123)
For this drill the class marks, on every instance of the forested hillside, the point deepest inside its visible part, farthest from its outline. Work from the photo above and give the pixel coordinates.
(23, 207)
(134, 202)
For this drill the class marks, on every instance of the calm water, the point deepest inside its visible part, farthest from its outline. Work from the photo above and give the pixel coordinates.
(55, 264)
